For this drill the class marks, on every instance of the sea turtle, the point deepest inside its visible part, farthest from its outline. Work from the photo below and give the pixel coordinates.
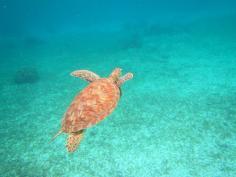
(92, 104)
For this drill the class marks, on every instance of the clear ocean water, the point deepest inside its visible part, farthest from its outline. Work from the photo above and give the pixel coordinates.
(176, 117)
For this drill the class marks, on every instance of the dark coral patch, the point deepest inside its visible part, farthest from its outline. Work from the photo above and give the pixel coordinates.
(26, 75)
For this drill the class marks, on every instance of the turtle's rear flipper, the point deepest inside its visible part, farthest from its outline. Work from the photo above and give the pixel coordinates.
(74, 140)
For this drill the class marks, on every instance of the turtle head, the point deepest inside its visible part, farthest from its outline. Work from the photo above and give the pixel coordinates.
(115, 75)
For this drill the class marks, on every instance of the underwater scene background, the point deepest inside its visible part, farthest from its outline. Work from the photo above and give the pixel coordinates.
(176, 117)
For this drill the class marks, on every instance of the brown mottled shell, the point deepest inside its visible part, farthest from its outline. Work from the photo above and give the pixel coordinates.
(91, 105)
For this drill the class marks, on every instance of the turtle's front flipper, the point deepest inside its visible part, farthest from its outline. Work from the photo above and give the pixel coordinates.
(74, 140)
(124, 78)
(86, 75)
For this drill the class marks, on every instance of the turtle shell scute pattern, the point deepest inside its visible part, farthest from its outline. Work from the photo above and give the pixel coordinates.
(91, 105)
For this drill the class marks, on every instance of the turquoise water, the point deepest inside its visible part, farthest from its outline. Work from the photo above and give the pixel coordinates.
(176, 118)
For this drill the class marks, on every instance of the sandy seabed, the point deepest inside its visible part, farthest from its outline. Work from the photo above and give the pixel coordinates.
(177, 117)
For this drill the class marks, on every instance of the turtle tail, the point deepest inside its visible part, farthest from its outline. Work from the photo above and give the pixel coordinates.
(74, 140)
(56, 135)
